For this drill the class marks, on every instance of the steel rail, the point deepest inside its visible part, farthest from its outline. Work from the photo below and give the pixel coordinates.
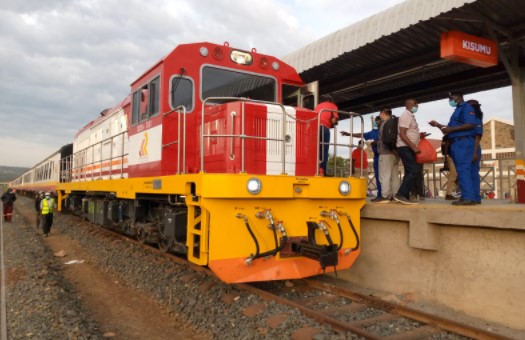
(407, 312)
(337, 325)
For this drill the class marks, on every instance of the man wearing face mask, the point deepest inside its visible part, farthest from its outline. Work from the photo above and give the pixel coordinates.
(407, 142)
(461, 133)
(47, 207)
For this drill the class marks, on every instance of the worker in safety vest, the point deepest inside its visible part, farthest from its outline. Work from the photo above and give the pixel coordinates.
(47, 206)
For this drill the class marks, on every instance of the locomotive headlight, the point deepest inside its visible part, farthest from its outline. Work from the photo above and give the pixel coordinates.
(242, 58)
(344, 188)
(275, 66)
(204, 51)
(254, 186)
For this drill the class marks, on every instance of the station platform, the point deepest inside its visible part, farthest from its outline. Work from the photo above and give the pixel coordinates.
(470, 258)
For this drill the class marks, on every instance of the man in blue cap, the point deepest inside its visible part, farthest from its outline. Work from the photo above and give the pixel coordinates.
(461, 133)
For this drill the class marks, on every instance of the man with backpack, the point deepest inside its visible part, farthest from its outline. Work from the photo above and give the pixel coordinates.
(407, 148)
(388, 158)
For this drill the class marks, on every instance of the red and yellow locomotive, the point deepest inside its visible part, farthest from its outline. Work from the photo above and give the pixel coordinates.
(204, 158)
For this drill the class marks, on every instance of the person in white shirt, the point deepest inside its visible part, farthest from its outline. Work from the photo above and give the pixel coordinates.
(407, 148)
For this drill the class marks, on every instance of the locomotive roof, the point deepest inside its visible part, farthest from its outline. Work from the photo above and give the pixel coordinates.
(210, 45)
(105, 114)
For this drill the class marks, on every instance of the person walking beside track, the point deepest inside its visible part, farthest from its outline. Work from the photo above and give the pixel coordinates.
(8, 199)
(38, 200)
(47, 207)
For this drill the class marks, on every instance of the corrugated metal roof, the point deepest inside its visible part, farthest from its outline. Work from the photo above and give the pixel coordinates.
(395, 54)
(369, 30)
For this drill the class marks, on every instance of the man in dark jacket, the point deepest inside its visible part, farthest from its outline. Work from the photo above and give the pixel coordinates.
(38, 199)
(8, 198)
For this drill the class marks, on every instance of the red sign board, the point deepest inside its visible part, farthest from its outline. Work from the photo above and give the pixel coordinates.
(469, 49)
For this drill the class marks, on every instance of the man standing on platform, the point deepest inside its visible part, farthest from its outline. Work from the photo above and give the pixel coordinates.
(461, 133)
(388, 163)
(407, 148)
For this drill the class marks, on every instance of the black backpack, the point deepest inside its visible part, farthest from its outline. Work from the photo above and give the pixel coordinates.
(389, 135)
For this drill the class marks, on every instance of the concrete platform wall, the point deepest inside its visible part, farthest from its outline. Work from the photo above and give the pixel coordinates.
(476, 268)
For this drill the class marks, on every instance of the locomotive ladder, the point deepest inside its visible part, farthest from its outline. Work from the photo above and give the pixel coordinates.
(197, 232)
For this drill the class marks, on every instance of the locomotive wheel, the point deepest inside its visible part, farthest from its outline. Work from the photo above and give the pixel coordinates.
(165, 244)
(142, 236)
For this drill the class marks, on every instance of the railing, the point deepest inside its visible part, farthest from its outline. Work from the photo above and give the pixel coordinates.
(243, 135)
(495, 174)
(181, 110)
(351, 147)
(75, 166)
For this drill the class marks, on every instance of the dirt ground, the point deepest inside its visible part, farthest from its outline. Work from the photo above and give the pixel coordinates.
(121, 312)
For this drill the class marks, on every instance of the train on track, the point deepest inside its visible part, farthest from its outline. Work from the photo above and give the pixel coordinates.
(214, 154)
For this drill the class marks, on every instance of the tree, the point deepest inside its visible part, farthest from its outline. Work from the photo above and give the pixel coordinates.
(342, 166)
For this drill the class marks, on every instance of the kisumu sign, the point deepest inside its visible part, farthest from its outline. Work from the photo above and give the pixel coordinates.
(469, 49)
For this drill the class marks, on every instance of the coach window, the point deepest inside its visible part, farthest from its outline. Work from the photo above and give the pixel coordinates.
(182, 93)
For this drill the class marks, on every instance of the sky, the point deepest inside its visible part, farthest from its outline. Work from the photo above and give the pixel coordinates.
(64, 61)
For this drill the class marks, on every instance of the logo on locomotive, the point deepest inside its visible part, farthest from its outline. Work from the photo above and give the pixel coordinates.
(143, 152)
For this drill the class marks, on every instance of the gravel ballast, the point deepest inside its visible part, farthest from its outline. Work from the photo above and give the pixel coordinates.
(40, 303)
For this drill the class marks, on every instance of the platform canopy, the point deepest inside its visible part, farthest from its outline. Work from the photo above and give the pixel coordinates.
(395, 54)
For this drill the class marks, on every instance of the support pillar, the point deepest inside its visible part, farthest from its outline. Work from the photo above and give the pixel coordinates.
(518, 105)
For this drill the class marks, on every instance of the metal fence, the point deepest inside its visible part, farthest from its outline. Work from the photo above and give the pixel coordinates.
(497, 175)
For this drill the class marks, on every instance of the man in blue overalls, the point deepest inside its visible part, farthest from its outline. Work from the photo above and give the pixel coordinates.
(461, 133)
(476, 158)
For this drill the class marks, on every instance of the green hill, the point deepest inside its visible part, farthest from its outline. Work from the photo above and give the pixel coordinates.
(9, 173)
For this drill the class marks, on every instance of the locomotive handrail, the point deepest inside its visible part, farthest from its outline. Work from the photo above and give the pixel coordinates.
(350, 146)
(178, 109)
(243, 135)
(78, 154)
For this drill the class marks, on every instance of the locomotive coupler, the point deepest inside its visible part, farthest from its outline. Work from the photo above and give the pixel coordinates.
(326, 255)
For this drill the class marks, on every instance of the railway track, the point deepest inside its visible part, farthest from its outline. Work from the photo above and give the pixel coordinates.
(346, 312)
(350, 312)
(366, 316)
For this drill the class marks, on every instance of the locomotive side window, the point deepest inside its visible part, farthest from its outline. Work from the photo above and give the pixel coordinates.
(228, 83)
(182, 93)
(146, 101)
(136, 107)
(154, 97)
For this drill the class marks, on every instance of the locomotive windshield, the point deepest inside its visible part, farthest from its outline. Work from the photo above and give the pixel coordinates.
(228, 83)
